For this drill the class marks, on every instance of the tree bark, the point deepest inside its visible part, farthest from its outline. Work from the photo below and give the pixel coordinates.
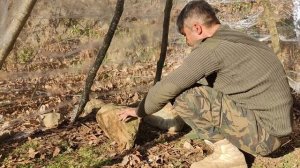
(15, 28)
(100, 56)
(3, 16)
(164, 43)
(271, 24)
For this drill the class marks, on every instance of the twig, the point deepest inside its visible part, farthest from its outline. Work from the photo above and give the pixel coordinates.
(5, 103)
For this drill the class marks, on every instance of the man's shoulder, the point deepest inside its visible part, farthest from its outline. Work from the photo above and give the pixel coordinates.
(208, 44)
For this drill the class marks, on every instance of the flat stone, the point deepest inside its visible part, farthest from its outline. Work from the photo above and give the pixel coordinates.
(124, 133)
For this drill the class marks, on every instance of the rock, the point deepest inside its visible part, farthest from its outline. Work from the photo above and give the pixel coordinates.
(51, 120)
(166, 119)
(93, 104)
(124, 133)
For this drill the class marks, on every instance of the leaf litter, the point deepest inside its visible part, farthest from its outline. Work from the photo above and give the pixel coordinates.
(54, 86)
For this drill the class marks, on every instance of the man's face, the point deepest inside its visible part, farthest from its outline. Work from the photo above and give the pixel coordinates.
(191, 35)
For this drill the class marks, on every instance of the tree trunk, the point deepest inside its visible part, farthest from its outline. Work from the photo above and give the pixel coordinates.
(14, 29)
(100, 56)
(3, 16)
(271, 24)
(164, 43)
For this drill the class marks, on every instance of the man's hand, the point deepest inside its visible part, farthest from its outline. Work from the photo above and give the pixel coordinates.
(127, 113)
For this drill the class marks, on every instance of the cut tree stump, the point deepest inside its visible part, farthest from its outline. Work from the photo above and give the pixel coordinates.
(124, 133)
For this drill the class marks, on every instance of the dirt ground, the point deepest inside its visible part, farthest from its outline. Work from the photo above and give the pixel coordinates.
(46, 72)
(85, 145)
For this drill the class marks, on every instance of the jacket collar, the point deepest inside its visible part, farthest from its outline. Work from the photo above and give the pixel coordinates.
(217, 34)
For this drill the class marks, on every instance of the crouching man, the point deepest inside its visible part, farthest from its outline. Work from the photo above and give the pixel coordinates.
(247, 101)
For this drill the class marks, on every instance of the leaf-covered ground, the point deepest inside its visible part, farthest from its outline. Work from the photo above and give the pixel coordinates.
(85, 145)
(46, 73)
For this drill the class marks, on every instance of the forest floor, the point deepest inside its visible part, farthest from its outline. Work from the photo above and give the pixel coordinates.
(84, 144)
(46, 73)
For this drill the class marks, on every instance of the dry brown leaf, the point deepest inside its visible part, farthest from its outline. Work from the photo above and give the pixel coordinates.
(43, 156)
(134, 160)
(188, 145)
(56, 151)
(125, 161)
(135, 97)
(32, 153)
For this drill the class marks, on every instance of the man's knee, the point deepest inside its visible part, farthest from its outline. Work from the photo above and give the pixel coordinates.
(196, 109)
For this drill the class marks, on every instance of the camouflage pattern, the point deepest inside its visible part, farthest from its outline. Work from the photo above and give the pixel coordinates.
(213, 116)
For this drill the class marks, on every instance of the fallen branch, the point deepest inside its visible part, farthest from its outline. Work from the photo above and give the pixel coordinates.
(5, 103)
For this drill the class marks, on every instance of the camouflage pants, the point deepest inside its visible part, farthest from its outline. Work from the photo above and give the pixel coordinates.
(213, 116)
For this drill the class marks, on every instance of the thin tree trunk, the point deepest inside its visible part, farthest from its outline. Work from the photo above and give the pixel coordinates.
(14, 29)
(271, 24)
(164, 43)
(3, 16)
(100, 56)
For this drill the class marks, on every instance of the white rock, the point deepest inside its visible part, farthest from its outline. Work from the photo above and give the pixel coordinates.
(51, 120)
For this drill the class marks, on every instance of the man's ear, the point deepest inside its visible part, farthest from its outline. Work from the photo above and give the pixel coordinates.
(198, 28)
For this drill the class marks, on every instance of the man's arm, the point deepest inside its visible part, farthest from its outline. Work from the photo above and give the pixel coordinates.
(200, 63)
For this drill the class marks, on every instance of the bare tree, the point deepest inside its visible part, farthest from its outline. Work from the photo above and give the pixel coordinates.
(164, 43)
(14, 29)
(100, 56)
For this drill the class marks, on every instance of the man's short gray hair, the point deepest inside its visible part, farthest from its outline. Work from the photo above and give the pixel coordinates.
(197, 8)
